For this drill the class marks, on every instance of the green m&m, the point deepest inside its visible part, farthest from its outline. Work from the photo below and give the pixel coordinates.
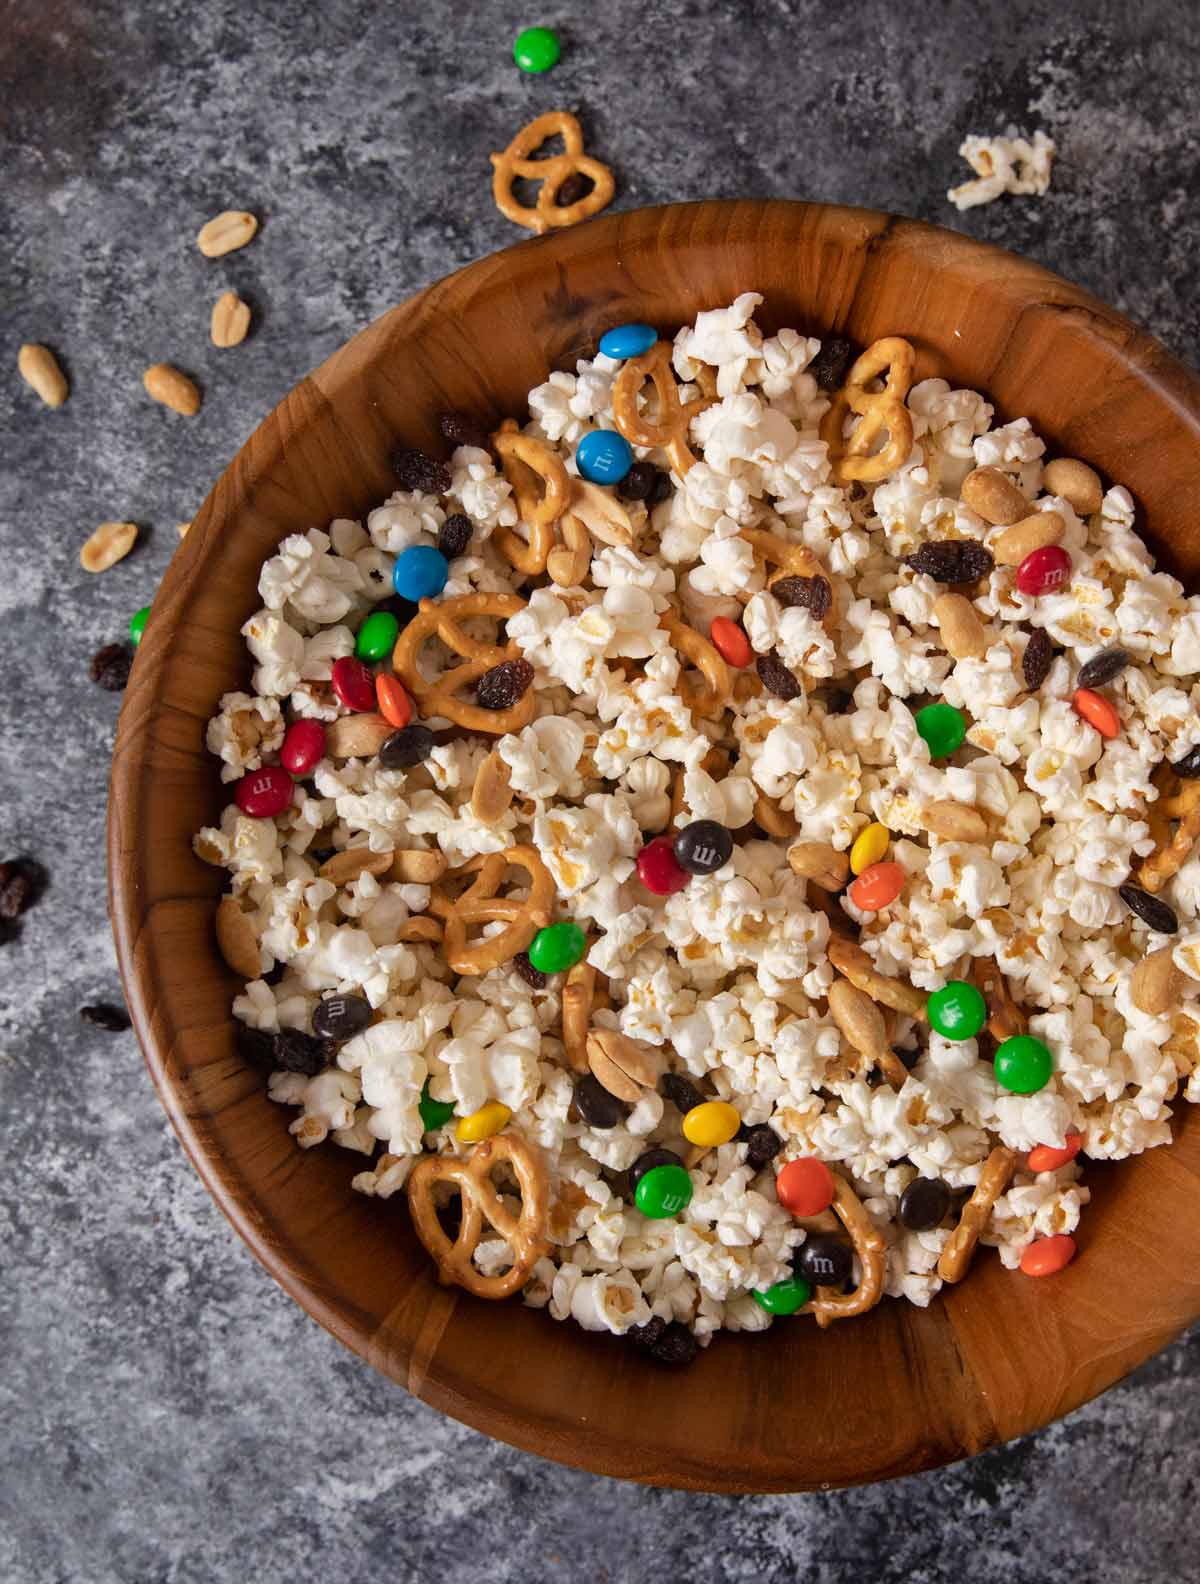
(957, 1011)
(785, 1297)
(434, 1113)
(662, 1192)
(137, 623)
(377, 637)
(943, 728)
(537, 49)
(1023, 1065)
(557, 947)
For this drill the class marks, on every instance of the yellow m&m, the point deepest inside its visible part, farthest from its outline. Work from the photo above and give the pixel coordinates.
(714, 1122)
(870, 846)
(481, 1124)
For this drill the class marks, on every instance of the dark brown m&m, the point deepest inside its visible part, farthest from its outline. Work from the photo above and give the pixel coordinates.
(647, 1161)
(923, 1204)
(595, 1105)
(703, 847)
(825, 1261)
(341, 1017)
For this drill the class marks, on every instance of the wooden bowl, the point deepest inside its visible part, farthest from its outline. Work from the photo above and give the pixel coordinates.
(902, 1389)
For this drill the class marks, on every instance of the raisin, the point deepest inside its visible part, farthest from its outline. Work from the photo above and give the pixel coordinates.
(676, 1345)
(1037, 659)
(762, 1146)
(1152, 910)
(812, 594)
(1103, 668)
(832, 363)
(300, 1053)
(454, 536)
(662, 488)
(110, 667)
(680, 1091)
(463, 431)
(403, 610)
(645, 1336)
(16, 890)
(776, 677)
(417, 471)
(103, 1015)
(874, 1078)
(1189, 766)
(834, 700)
(531, 975)
(255, 1046)
(639, 481)
(952, 560)
(503, 685)
(576, 186)
(908, 1057)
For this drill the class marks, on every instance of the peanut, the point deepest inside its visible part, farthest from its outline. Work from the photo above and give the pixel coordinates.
(1032, 533)
(418, 866)
(963, 634)
(40, 370)
(1078, 484)
(346, 866)
(820, 863)
(173, 389)
(954, 821)
(994, 496)
(226, 232)
(1156, 985)
(237, 940)
(862, 1023)
(230, 320)
(110, 543)
(356, 736)
(420, 929)
(492, 794)
(602, 515)
(626, 1067)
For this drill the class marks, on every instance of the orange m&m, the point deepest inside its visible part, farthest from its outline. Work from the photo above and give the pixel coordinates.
(878, 885)
(805, 1186)
(1049, 1157)
(730, 641)
(1046, 1256)
(394, 703)
(1097, 711)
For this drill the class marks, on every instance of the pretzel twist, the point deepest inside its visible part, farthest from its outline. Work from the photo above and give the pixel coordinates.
(525, 1234)
(479, 904)
(828, 1304)
(995, 1177)
(1177, 800)
(441, 618)
(708, 694)
(524, 460)
(551, 173)
(853, 456)
(669, 429)
(791, 560)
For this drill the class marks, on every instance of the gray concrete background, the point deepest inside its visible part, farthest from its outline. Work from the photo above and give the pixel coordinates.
(168, 1414)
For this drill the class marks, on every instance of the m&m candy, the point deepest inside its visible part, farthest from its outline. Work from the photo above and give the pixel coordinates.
(957, 1011)
(805, 1186)
(303, 747)
(658, 869)
(420, 573)
(712, 1123)
(434, 1113)
(264, 793)
(703, 847)
(1047, 1256)
(662, 1192)
(878, 886)
(942, 727)
(482, 1124)
(603, 457)
(557, 947)
(1044, 570)
(730, 641)
(377, 636)
(628, 340)
(536, 49)
(1023, 1064)
(391, 700)
(784, 1297)
(825, 1261)
(137, 623)
(870, 846)
(354, 684)
(1097, 711)
(1049, 1157)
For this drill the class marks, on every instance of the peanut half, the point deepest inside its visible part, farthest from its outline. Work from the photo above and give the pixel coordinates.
(954, 821)
(994, 496)
(40, 370)
(819, 862)
(230, 320)
(346, 866)
(418, 865)
(1156, 985)
(626, 1067)
(356, 736)
(1032, 533)
(110, 543)
(226, 232)
(236, 938)
(963, 634)
(492, 794)
(862, 1023)
(602, 515)
(174, 390)
(1078, 484)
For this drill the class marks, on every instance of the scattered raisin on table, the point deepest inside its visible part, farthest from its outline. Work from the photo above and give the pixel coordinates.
(776, 677)
(503, 685)
(103, 1015)
(417, 471)
(812, 594)
(952, 560)
(110, 666)
(16, 890)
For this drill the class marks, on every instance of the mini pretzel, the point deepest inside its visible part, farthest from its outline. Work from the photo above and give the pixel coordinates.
(577, 998)
(479, 905)
(442, 617)
(1005, 1017)
(828, 1304)
(670, 426)
(1177, 800)
(976, 1213)
(709, 697)
(792, 560)
(420, 930)
(849, 958)
(525, 1234)
(552, 173)
(525, 459)
(851, 455)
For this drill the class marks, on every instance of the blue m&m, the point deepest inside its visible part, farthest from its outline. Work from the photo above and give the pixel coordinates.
(420, 573)
(603, 457)
(628, 341)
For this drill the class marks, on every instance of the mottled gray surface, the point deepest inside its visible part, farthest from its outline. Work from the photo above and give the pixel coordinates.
(168, 1413)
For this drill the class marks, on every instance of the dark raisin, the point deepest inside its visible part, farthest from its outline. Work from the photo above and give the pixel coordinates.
(454, 536)
(1037, 659)
(409, 746)
(638, 482)
(300, 1053)
(596, 1106)
(986, 1045)
(874, 1078)
(503, 685)
(403, 610)
(576, 186)
(16, 890)
(834, 700)
(812, 594)
(417, 471)
(1189, 766)
(645, 1336)
(776, 677)
(661, 490)
(1152, 910)
(952, 560)
(680, 1091)
(274, 973)
(103, 1015)
(110, 666)
(255, 1046)
(910, 1058)
(676, 1345)
(531, 975)
(1103, 668)
(832, 363)
(463, 431)
(762, 1146)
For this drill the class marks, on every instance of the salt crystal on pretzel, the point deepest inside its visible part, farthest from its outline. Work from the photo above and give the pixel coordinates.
(995, 1177)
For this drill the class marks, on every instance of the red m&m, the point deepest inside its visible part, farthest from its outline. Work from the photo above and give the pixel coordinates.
(1044, 570)
(658, 868)
(264, 793)
(354, 684)
(730, 641)
(805, 1186)
(303, 747)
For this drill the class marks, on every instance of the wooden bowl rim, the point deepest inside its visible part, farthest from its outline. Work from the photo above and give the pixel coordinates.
(586, 1445)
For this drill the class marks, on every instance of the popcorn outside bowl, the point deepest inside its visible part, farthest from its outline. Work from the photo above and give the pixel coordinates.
(901, 1389)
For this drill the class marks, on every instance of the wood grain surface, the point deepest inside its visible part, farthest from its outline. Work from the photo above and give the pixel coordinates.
(902, 1389)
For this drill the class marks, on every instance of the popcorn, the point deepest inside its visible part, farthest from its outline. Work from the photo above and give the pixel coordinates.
(1004, 165)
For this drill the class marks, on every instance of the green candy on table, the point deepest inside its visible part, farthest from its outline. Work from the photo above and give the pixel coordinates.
(1023, 1065)
(434, 1113)
(957, 1011)
(663, 1191)
(785, 1297)
(537, 49)
(377, 637)
(557, 947)
(137, 623)
(943, 728)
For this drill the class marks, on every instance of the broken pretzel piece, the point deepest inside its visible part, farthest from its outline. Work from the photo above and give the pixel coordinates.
(828, 1304)
(1005, 1017)
(1178, 800)
(995, 1177)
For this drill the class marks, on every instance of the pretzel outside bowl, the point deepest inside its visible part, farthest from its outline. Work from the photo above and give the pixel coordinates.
(441, 618)
(828, 1304)
(853, 456)
(515, 161)
(480, 905)
(668, 430)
